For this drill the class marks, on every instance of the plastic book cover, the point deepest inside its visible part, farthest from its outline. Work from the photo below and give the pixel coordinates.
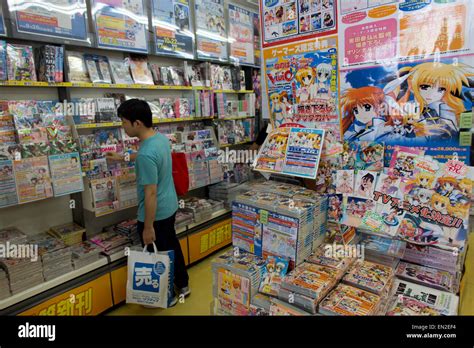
(193, 74)
(108, 140)
(95, 64)
(325, 256)
(3, 61)
(166, 76)
(140, 72)
(426, 276)
(20, 63)
(30, 150)
(275, 269)
(104, 196)
(156, 73)
(386, 246)
(447, 303)
(345, 182)
(233, 287)
(32, 178)
(348, 300)
(77, 70)
(177, 76)
(120, 71)
(369, 276)
(410, 306)
(8, 195)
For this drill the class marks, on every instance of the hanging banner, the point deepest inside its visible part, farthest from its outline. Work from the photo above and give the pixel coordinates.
(293, 20)
(415, 104)
(173, 28)
(121, 25)
(241, 35)
(377, 32)
(211, 35)
(66, 19)
(302, 84)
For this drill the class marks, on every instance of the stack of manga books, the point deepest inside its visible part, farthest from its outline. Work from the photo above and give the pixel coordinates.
(227, 192)
(84, 254)
(427, 276)
(111, 242)
(69, 233)
(348, 300)
(445, 302)
(382, 250)
(12, 235)
(203, 103)
(51, 63)
(183, 218)
(201, 208)
(260, 305)
(326, 256)
(281, 308)
(129, 229)
(23, 273)
(4, 285)
(372, 277)
(55, 255)
(236, 279)
(307, 285)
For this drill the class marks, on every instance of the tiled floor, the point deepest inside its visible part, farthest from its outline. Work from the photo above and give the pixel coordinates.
(199, 303)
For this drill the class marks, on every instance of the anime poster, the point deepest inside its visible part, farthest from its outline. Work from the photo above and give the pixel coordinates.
(211, 35)
(257, 38)
(121, 25)
(302, 83)
(292, 20)
(416, 104)
(66, 19)
(377, 32)
(241, 35)
(173, 28)
(303, 152)
(66, 173)
(8, 194)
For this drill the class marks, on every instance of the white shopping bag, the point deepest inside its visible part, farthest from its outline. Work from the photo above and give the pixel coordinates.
(150, 277)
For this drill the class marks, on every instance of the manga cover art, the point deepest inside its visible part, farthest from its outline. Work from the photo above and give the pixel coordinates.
(416, 104)
(345, 181)
(302, 84)
(409, 306)
(275, 269)
(272, 153)
(431, 277)
(369, 276)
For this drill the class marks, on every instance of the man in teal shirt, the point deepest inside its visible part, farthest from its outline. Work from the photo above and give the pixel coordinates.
(157, 199)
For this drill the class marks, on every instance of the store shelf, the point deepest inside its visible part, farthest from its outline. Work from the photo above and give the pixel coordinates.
(214, 215)
(156, 121)
(229, 118)
(98, 125)
(241, 143)
(232, 91)
(115, 86)
(10, 301)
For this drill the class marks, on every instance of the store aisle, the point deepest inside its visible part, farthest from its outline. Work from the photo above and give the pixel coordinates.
(199, 303)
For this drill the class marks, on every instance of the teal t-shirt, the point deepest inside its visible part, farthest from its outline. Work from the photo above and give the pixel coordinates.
(153, 165)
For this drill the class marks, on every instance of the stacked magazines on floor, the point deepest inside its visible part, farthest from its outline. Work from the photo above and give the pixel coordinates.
(84, 254)
(111, 242)
(69, 233)
(55, 255)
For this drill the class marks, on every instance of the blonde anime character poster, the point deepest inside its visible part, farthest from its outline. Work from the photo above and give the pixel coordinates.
(417, 104)
(302, 84)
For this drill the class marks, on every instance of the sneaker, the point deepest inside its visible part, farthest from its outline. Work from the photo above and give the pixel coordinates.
(186, 291)
(173, 302)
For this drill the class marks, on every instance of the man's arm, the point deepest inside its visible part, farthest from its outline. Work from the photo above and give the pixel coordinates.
(150, 213)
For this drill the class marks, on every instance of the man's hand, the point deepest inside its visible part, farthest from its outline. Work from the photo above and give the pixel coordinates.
(148, 235)
(113, 156)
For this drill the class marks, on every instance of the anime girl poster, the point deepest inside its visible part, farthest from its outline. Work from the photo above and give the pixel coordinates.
(302, 83)
(416, 104)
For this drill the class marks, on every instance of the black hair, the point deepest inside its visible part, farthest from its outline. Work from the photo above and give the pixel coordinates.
(136, 110)
(368, 176)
